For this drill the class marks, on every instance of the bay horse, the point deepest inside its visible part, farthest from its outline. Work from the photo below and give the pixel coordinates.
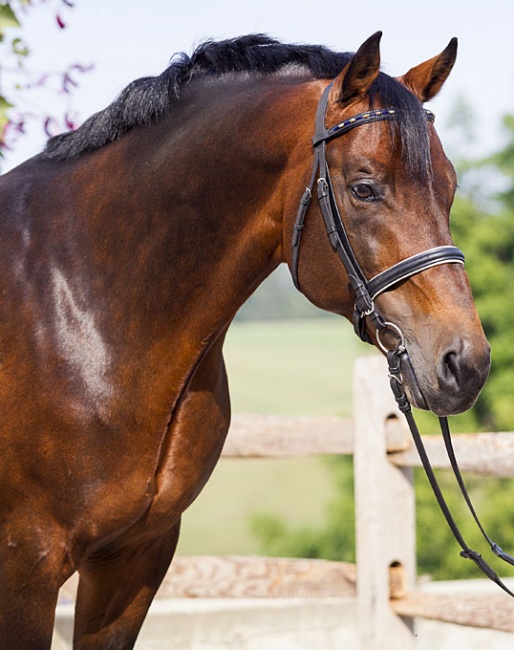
(126, 249)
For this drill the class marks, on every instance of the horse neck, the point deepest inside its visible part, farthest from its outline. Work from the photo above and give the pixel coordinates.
(221, 176)
(200, 205)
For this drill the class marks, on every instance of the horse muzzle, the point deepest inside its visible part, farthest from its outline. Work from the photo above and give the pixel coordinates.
(452, 386)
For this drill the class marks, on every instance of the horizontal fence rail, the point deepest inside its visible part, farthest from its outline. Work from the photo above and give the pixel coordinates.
(488, 454)
(263, 436)
(488, 609)
(250, 577)
(258, 577)
(270, 436)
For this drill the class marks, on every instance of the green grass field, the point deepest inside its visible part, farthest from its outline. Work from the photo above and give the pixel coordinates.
(299, 367)
(285, 368)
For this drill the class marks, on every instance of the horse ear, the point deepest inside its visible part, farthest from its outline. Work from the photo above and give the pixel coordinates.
(426, 79)
(355, 79)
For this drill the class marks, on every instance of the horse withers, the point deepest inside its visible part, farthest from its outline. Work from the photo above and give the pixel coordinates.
(127, 247)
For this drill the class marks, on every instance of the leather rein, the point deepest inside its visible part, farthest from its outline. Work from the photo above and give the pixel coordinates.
(366, 291)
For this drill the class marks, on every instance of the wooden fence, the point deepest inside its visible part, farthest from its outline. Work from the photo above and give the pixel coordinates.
(384, 578)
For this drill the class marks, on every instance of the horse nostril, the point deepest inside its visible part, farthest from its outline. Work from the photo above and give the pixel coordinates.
(462, 368)
(462, 371)
(451, 364)
(452, 371)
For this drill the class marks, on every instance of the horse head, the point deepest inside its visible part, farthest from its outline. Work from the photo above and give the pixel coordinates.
(391, 187)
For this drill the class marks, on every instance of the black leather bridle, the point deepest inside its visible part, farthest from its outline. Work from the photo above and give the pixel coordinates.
(366, 291)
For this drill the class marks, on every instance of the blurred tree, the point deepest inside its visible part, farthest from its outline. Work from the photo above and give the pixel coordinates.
(483, 226)
(277, 299)
(437, 551)
(15, 108)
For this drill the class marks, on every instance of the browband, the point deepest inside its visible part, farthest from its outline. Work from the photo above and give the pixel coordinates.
(377, 115)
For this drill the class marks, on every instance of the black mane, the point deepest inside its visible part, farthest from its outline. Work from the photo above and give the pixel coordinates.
(146, 100)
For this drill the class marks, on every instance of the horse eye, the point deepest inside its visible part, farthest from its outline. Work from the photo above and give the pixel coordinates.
(363, 192)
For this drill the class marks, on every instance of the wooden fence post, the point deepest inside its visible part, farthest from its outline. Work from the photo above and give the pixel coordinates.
(385, 510)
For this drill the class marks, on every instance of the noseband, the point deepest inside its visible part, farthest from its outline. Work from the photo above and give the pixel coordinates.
(366, 291)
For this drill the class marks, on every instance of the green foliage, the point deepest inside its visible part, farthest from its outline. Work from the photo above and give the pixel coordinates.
(437, 551)
(4, 107)
(504, 161)
(9, 48)
(483, 226)
(7, 18)
(335, 540)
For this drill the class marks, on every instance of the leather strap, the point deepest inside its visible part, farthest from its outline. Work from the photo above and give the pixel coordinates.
(445, 429)
(377, 115)
(394, 358)
(413, 265)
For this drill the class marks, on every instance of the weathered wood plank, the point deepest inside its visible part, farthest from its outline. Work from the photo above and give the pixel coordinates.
(488, 454)
(494, 611)
(384, 511)
(257, 577)
(258, 436)
(249, 577)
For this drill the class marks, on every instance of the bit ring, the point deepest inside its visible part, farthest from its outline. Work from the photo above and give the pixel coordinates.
(397, 330)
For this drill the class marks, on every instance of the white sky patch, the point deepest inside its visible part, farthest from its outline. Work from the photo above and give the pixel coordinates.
(130, 42)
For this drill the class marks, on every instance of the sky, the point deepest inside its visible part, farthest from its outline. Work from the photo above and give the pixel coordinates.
(125, 39)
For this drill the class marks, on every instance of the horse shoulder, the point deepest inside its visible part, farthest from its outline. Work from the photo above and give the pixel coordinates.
(194, 441)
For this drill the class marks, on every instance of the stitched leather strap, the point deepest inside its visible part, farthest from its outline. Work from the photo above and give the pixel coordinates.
(413, 265)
